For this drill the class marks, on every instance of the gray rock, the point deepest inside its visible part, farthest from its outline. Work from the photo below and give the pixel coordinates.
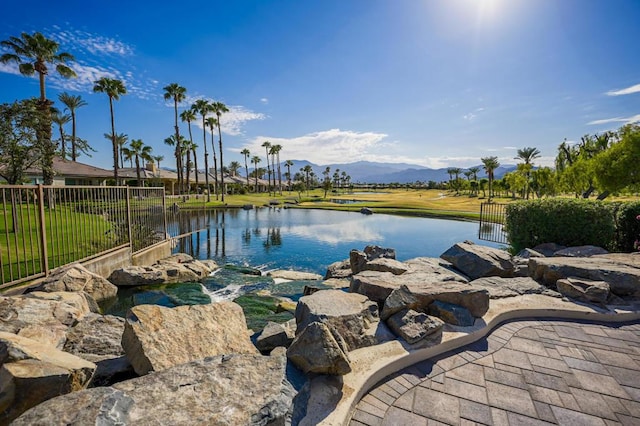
(308, 290)
(378, 286)
(275, 334)
(376, 252)
(137, 275)
(156, 338)
(439, 268)
(400, 299)
(617, 271)
(31, 373)
(341, 269)
(477, 261)
(528, 253)
(510, 287)
(414, 326)
(178, 268)
(319, 349)
(452, 313)
(384, 264)
(221, 390)
(584, 290)
(366, 211)
(580, 251)
(548, 249)
(75, 277)
(358, 260)
(337, 283)
(352, 316)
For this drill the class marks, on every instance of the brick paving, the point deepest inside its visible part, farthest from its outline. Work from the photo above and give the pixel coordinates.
(523, 373)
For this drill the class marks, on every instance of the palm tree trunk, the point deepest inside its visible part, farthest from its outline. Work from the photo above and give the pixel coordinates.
(74, 149)
(206, 158)
(113, 141)
(221, 162)
(215, 165)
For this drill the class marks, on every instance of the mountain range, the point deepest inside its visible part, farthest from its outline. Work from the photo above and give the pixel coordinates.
(371, 172)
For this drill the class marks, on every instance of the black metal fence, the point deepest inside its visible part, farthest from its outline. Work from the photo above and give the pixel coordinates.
(492, 218)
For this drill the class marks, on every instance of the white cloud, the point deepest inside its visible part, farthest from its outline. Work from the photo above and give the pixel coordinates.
(626, 91)
(93, 43)
(326, 147)
(264, 100)
(232, 121)
(85, 80)
(10, 68)
(469, 117)
(625, 120)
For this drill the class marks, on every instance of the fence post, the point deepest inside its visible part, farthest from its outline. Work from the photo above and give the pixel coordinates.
(43, 231)
(164, 214)
(129, 217)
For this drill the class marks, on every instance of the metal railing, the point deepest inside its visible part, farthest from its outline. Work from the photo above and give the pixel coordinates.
(45, 227)
(492, 218)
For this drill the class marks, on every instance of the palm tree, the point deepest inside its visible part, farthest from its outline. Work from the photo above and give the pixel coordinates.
(202, 107)
(61, 120)
(176, 93)
(138, 150)
(157, 159)
(72, 103)
(490, 164)
(255, 160)
(113, 88)
(474, 172)
(245, 152)
(219, 108)
(32, 53)
(234, 166)
(212, 122)
(189, 115)
(308, 171)
(527, 155)
(288, 165)
(276, 150)
(266, 145)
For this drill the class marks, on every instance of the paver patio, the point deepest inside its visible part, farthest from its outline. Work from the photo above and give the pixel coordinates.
(524, 373)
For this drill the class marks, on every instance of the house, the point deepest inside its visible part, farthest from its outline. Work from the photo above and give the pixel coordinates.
(70, 173)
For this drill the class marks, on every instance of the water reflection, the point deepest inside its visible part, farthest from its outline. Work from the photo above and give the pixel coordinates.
(309, 239)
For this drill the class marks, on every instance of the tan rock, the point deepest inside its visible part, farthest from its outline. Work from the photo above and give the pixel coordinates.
(76, 277)
(156, 338)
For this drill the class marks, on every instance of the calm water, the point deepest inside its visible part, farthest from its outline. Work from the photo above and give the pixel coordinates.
(310, 240)
(277, 238)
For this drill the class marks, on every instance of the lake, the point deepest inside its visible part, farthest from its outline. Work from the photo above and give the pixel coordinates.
(284, 238)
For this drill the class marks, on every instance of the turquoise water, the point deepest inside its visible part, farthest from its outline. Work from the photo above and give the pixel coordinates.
(278, 238)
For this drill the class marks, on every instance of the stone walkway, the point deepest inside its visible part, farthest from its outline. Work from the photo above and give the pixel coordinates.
(523, 373)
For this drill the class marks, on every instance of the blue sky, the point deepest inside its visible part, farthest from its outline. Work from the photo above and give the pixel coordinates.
(437, 83)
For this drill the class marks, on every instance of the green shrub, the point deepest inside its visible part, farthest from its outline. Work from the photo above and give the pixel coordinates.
(570, 222)
(627, 226)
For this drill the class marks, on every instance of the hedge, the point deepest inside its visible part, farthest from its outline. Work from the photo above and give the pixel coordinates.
(572, 222)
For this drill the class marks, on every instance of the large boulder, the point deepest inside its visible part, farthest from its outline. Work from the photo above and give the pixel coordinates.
(76, 277)
(220, 390)
(384, 264)
(156, 338)
(352, 316)
(424, 287)
(477, 261)
(580, 251)
(619, 272)
(97, 338)
(451, 313)
(358, 259)
(319, 349)
(439, 268)
(414, 326)
(276, 334)
(42, 316)
(31, 373)
(584, 290)
(341, 269)
(178, 268)
(499, 288)
(137, 275)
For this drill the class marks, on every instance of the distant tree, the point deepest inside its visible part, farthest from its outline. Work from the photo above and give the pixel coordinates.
(326, 183)
(218, 109)
(60, 120)
(72, 103)
(527, 155)
(202, 107)
(267, 145)
(490, 165)
(138, 150)
(255, 160)
(189, 115)
(275, 149)
(288, 165)
(212, 122)
(33, 53)
(234, 166)
(121, 142)
(617, 167)
(177, 94)
(245, 153)
(157, 159)
(113, 88)
(19, 148)
(308, 172)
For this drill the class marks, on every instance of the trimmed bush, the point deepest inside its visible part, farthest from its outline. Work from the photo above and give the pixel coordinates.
(570, 222)
(627, 226)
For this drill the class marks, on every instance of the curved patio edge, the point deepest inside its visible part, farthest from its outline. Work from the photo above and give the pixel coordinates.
(372, 364)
